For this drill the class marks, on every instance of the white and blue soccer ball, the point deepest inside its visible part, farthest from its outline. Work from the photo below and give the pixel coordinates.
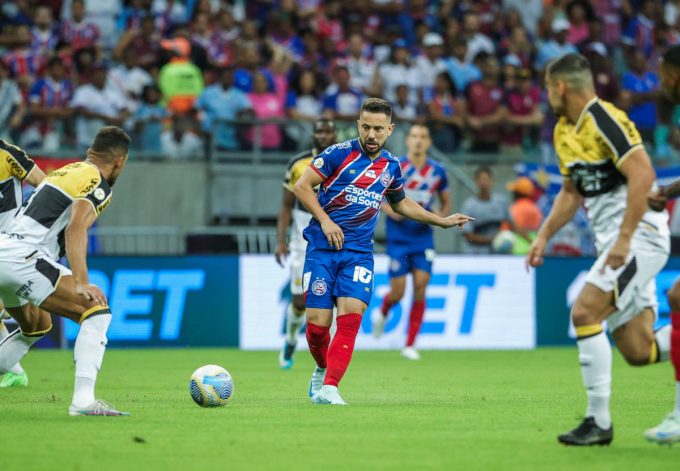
(504, 242)
(211, 386)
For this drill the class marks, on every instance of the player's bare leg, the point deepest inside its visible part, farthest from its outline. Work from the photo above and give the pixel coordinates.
(397, 286)
(638, 343)
(668, 431)
(88, 352)
(295, 317)
(421, 279)
(15, 375)
(595, 356)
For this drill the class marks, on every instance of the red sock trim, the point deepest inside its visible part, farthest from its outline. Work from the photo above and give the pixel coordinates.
(341, 348)
(387, 304)
(318, 339)
(415, 321)
(675, 343)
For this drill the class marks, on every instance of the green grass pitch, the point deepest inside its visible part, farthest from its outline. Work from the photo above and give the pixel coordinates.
(452, 410)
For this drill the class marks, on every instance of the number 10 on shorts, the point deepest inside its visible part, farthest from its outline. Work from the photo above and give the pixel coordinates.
(362, 275)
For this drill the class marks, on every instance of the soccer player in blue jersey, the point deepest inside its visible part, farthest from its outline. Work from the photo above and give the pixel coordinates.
(354, 177)
(410, 244)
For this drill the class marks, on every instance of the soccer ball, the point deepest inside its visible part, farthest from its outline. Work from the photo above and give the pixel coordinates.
(504, 242)
(211, 386)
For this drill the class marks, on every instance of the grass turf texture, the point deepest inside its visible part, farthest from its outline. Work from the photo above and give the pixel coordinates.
(452, 410)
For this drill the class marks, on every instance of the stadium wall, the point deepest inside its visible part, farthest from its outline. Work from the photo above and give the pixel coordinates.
(474, 302)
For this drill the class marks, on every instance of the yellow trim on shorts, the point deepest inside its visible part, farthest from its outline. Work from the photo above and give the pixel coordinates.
(38, 333)
(93, 311)
(588, 330)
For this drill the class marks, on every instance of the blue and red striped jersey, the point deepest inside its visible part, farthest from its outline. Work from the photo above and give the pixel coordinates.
(352, 192)
(422, 185)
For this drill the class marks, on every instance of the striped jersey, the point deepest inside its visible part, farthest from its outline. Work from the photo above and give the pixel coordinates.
(422, 185)
(352, 191)
(15, 166)
(42, 221)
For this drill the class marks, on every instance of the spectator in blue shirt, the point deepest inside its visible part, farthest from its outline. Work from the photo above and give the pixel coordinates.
(219, 102)
(640, 91)
(149, 119)
(557, 46)
(460, 71)
(344, 102)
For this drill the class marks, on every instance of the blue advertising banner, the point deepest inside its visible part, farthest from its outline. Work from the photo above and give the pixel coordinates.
(558, 282)
(168, 301)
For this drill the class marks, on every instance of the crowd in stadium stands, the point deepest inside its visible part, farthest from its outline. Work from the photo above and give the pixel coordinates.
(187, 74)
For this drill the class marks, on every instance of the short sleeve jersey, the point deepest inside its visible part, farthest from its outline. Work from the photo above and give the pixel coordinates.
(42, 221)
(591, 153)
(352, 191)
(15, 166)
(422, 185)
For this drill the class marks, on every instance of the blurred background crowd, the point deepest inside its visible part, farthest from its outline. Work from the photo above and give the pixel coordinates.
(186, 76)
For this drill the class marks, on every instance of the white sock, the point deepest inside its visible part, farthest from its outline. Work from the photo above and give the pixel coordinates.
(595, 357)
(16, 369)
(13, 348)
(663, 341)
(677, 398)
(294, 321)
(88, 354)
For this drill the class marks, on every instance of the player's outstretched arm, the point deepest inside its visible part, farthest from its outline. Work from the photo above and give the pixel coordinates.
(304, 192)
(412, 210)
(83, 216)
(282, 225)
(565, 206)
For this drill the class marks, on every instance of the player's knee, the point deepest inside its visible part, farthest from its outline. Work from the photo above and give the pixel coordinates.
(582, 315)
(674, 298)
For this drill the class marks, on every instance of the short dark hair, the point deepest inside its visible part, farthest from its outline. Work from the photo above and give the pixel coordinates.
(574, 69)
(111, 141)
(483, 169)
(377, 105)
(672, 56)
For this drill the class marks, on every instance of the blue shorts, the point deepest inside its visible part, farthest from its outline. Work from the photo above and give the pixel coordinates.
(330, 274)
(404, 261)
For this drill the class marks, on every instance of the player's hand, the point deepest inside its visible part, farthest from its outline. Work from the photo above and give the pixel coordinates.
(616, 258)
(536, 251)
(334, 235)
(91, 293)
(657, 199)
(281, 253)
(457, 220)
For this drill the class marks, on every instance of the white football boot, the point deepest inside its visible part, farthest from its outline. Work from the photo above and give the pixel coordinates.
(328, 395)
(410, 353)
(316, 383)
(98, 407)
(666, 432)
